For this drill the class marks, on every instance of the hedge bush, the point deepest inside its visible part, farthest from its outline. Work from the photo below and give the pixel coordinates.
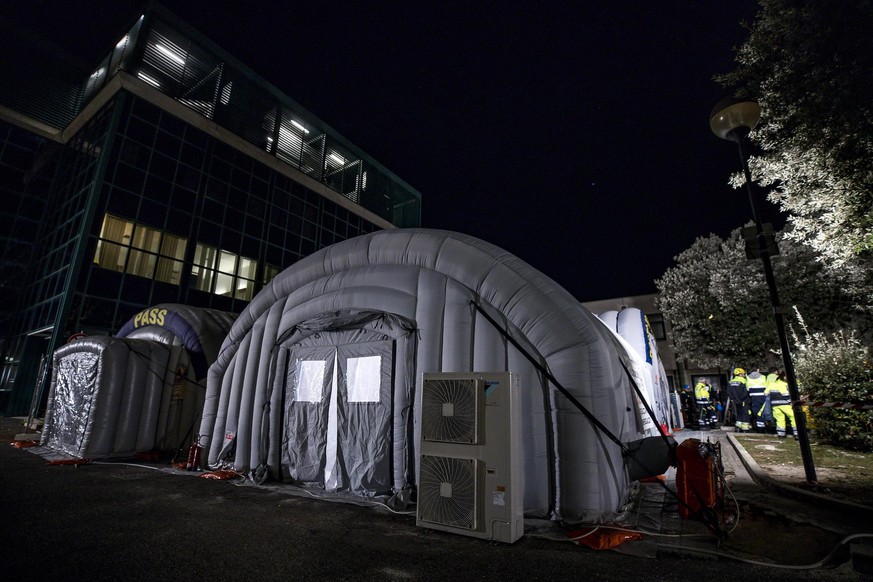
(837, 368)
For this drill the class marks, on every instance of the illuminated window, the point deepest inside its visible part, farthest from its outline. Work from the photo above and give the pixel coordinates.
(226, 269)
(113, 244)
(203, 272)
(245, 282)
(127, 247)
(144, 253)
(223, 273)
(170, 262)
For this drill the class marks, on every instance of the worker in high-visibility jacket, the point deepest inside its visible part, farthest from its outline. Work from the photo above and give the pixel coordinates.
(740, 401)
(780, 401)
(706, 413)
(756, 383)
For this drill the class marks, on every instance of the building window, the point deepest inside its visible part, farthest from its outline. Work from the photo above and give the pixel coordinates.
(113, 244)
(144, 252)
(127, 247)
(202, 273)
(270, 272)
(656, 322)
(170, 260)
(223, 273)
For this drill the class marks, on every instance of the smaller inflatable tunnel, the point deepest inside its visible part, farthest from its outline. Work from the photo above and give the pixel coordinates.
(139, 391)
(631, 329)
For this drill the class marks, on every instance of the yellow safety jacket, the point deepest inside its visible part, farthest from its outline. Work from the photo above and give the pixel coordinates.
(778, 393)
(756, 385)
(701, 391)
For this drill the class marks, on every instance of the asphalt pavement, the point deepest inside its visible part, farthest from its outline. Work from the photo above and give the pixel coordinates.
(144, 521)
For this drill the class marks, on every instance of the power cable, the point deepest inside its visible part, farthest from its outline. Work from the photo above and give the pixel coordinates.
(812, 566)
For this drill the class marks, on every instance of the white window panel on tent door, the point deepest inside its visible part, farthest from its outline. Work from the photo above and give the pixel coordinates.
(364, 378)
(310, 380)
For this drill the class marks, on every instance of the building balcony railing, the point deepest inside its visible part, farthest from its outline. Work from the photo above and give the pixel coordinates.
(176, 60)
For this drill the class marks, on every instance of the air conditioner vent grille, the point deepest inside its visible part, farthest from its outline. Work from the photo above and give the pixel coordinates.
(448, 491)
(450, 411)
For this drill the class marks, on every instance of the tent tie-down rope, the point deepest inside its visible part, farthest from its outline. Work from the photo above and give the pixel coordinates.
(705, 514)
(545, 371)
(646, 404)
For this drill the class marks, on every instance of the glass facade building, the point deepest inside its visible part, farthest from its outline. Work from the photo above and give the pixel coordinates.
(169, 173)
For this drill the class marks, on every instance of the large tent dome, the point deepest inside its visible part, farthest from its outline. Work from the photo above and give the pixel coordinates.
(424, 301)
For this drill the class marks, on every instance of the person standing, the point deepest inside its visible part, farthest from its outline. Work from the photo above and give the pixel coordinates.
(780, 400)
(756, 383)
(705, 410)
(689, 408)
(740, 401)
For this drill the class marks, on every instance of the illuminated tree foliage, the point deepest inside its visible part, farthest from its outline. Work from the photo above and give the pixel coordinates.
(837, 368)
(809, 63)
(719, 306)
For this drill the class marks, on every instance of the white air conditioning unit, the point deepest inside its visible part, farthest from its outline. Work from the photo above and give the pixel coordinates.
(470, 456)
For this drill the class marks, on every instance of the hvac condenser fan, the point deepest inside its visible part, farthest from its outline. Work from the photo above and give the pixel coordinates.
(450, 411)
(447, 491)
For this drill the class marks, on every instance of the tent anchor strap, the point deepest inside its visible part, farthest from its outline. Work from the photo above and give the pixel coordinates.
(646, 404)
(706, 515)
(542, 369)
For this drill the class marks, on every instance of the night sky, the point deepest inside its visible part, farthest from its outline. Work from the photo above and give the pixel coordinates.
(573, 134)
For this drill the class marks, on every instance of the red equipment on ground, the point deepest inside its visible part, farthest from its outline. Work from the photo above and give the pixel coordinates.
(698, 477)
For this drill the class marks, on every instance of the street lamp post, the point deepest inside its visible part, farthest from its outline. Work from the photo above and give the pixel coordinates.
(733, 120)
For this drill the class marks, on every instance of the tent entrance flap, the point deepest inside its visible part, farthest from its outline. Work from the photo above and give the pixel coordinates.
(338, 412)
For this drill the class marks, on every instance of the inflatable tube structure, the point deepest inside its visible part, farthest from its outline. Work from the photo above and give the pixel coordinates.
(139, 391)
(105, 397)
(634, 329)
(285, 398)
(194, 336)
(199, 330)
(639, 371)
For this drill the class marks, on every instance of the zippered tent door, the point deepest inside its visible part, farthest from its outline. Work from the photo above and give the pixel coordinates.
(365, 414)
(338, 427)
(309, 391)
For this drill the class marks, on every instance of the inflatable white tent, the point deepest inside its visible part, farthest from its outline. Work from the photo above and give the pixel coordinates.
(633, 330)
(138, 391)
(319, 381)
(104, 402)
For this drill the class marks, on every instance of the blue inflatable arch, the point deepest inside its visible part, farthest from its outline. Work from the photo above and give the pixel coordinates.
(200, 330)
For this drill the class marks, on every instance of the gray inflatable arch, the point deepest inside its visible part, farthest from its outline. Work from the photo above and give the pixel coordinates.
(194, 336)
(138, 391)
(423, 293)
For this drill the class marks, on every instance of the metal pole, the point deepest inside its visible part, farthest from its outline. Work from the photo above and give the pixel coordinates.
(799, 417)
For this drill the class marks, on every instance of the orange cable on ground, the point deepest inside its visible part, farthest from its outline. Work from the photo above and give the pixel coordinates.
(603, 539)
(24, 444)
(220, 475)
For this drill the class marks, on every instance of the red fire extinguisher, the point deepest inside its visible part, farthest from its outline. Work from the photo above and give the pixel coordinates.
(193, 463)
